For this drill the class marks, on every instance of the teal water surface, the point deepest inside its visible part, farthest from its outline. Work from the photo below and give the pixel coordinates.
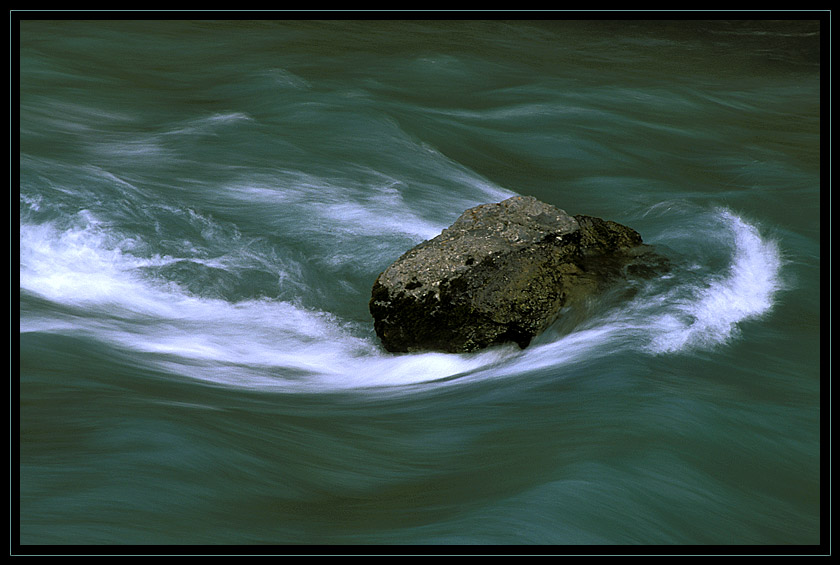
(204, 206)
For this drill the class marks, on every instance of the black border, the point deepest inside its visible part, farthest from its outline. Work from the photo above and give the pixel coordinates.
(821, 550)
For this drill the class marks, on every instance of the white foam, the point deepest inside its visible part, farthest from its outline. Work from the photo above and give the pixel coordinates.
(711, 314)
(336, 207)
(271, 344)
(255, 343)
(80, 267)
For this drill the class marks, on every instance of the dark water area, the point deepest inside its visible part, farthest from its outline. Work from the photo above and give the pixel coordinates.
(204, 206)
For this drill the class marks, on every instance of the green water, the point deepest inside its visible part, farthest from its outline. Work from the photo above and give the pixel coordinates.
(204, 206)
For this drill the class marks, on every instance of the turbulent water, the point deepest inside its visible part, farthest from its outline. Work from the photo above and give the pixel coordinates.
(204, 207)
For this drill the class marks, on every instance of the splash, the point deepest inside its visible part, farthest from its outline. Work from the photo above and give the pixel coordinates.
(95, 280)
(708, 313)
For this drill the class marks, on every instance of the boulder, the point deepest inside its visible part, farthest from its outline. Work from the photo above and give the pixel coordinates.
(500, 273)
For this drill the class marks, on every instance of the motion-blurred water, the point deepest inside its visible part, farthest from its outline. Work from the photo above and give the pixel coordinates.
(204, 207)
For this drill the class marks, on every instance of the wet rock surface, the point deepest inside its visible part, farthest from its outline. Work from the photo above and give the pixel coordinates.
(500, 273)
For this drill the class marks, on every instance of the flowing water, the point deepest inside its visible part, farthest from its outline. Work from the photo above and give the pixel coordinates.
(204, 206)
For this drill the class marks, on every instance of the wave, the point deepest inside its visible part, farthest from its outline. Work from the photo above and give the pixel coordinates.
(708, 314)
(98, 287)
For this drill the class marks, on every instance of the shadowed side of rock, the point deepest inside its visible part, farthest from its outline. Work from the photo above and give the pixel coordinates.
(500, 273)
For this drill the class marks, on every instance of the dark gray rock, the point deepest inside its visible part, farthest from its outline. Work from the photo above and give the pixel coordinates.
(500, 273)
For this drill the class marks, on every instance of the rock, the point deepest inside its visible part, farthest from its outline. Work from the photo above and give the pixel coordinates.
(500, 273)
